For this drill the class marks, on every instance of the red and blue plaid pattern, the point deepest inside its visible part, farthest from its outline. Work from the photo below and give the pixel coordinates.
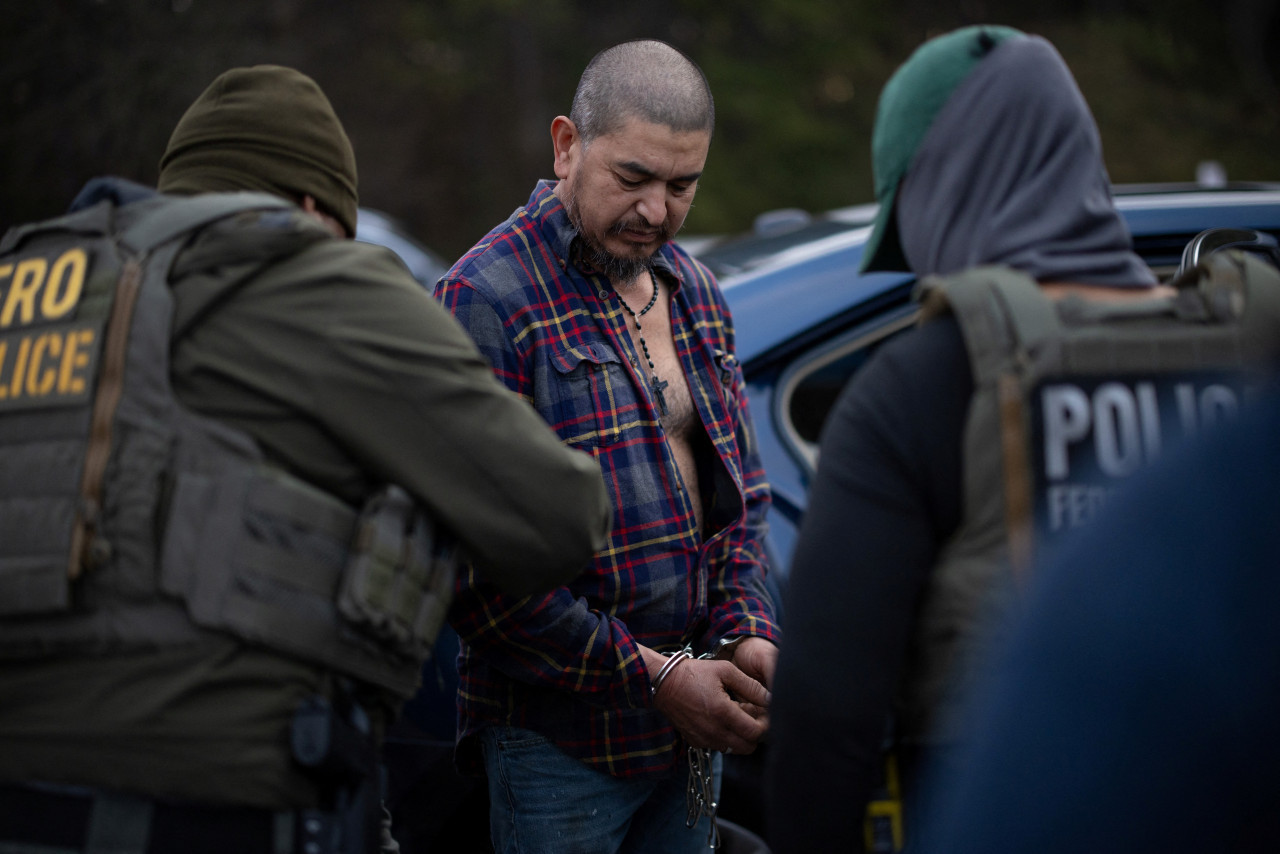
(566, 664)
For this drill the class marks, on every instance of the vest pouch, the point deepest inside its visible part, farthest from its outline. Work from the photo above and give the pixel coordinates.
(272, 560)
(259, 553)
(398, 581)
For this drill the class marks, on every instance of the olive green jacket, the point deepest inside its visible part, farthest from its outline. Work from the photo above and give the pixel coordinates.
(348, 375)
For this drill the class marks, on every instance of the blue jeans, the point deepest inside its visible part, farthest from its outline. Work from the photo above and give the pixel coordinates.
(541, 799)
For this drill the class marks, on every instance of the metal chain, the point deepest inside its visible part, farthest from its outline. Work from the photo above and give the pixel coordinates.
(700, 796)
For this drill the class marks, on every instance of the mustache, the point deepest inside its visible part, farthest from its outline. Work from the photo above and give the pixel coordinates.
(639, 226)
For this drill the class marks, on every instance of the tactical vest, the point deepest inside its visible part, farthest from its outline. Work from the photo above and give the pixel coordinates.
(129, 522)
(1070, 397)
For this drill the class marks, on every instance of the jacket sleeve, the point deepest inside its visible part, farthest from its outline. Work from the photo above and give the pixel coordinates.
(407, 391)
(884, 501)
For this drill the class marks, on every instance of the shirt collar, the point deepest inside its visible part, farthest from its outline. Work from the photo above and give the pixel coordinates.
(564, 240)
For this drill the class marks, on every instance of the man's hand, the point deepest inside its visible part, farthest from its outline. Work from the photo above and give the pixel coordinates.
(757, 658)
(713, 704)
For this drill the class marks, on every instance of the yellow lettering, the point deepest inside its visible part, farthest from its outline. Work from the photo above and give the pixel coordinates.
(20, 366)
(74, 360)
(40, 380)
(26, 281)
(56, 304)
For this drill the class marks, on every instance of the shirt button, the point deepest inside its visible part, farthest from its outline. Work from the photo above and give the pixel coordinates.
(604, 294)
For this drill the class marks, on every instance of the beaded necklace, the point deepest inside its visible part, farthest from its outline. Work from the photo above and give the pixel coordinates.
(656, 384)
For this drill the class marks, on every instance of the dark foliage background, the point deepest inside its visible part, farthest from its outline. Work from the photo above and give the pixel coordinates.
(448, 102)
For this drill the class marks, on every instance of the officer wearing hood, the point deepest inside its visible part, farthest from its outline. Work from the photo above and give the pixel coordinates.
(1049, 364)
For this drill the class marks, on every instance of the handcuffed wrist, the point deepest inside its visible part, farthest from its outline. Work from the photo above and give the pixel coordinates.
(668, 666)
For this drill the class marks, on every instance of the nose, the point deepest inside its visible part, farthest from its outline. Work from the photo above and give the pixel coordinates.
(652, 205)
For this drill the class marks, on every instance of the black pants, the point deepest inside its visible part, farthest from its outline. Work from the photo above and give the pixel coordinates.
(86, 820)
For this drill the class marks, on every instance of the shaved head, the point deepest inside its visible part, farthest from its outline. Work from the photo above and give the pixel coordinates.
(648, 80)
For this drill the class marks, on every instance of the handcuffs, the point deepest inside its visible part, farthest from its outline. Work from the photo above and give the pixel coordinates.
(700, 793)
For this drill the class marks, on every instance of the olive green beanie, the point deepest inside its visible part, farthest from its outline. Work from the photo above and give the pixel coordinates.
(264, 128)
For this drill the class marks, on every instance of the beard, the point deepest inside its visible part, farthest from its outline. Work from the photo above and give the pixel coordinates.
(619, 268)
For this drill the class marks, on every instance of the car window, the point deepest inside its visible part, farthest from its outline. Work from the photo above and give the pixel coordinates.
(810, 386)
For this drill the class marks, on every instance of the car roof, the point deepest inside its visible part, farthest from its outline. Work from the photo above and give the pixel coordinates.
(800, 288)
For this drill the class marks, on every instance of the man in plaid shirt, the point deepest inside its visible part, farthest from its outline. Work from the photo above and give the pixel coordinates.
(624, 343)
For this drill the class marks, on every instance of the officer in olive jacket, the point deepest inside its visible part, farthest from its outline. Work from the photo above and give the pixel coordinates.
(234, 448)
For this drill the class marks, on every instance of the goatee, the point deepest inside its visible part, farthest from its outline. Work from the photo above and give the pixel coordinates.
(619, 268)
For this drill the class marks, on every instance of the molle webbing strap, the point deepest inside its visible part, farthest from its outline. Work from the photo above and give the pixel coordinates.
(1001, 312)
(160, 226)
(1031, 322)
(1018, 505)
(110, 388)
(1105, 337)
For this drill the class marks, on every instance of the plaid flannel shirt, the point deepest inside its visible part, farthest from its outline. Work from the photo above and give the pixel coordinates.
(567, 664)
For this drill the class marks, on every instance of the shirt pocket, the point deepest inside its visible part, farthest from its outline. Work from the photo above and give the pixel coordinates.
(586, 394)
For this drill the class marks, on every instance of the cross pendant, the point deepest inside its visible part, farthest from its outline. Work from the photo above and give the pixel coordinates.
(658, 387)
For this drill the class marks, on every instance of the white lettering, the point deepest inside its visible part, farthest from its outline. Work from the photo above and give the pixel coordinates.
(1066, 420)
(1149, 415)
(1218, 403)
(1073, 505)
(1116, 433)
(1185, 394)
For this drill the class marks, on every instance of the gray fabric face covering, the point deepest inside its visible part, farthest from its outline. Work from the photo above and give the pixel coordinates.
(1011, 172)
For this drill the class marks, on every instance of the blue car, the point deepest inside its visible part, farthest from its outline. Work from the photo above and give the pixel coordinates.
(806, 320)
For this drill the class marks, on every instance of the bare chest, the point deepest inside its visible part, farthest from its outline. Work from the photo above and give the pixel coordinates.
(653, 336)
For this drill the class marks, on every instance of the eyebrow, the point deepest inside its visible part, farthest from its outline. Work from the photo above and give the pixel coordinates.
(640, 169)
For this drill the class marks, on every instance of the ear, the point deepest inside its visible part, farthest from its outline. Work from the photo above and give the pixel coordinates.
(308, 204)
(566, 144)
